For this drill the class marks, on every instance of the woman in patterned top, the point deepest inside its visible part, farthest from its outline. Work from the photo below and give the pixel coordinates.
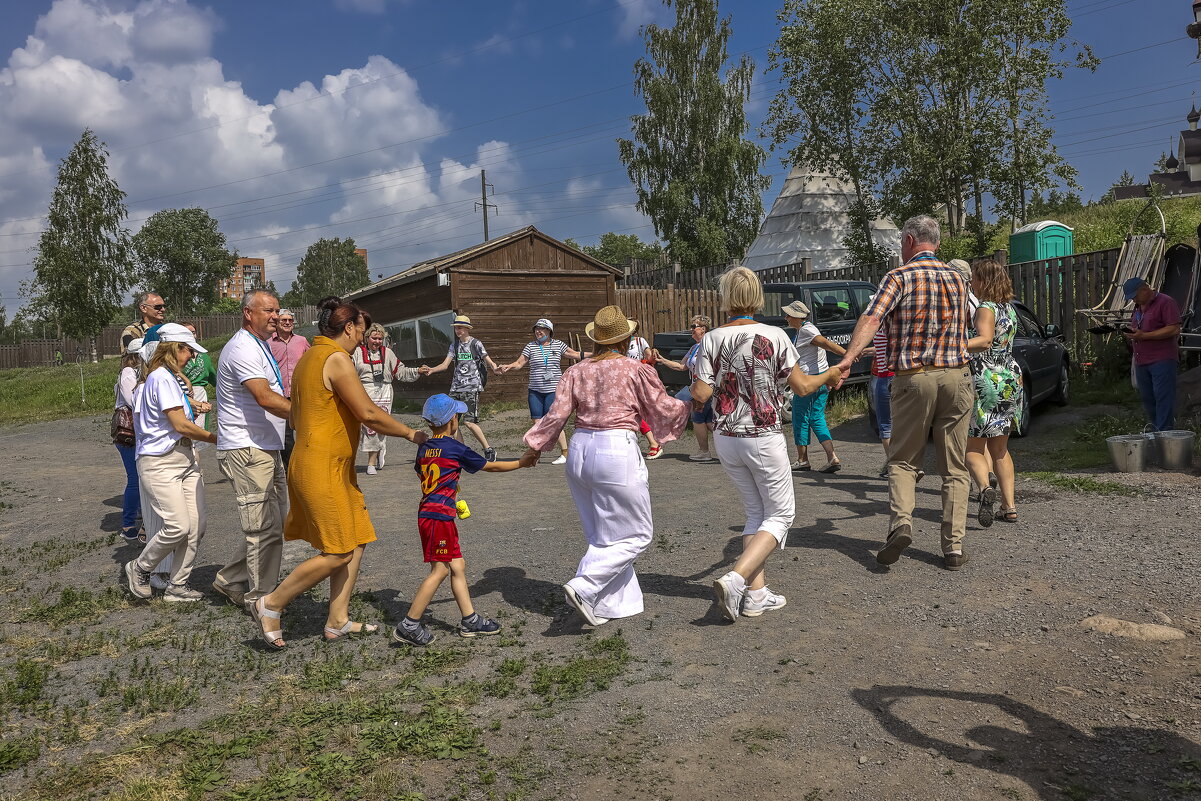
(745, 366)
(998, 384)
(609, 394)
(545, 357)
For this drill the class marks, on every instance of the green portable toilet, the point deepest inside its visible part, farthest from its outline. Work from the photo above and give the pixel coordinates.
(1041, 240)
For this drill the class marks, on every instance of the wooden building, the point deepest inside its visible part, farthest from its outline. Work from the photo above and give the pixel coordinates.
(503, 285)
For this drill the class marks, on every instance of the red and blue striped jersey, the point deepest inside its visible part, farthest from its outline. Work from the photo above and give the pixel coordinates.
(439, 462)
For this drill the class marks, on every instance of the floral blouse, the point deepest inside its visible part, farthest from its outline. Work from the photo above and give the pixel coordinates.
(610, 394)
(748, 368)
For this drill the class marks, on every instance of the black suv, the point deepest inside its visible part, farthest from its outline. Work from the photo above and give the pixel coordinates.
(834, 307)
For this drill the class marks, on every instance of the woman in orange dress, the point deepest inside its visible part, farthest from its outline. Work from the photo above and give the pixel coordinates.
(326, 507)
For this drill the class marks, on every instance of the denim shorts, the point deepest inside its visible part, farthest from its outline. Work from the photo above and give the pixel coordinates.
(705, 415)
(540, 403)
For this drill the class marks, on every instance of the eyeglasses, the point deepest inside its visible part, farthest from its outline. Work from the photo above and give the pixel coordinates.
(286, 320)
(156, 307)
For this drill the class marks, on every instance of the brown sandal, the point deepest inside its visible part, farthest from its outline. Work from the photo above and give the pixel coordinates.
(1009, 515)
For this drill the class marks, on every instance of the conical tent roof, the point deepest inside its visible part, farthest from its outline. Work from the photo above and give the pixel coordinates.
(809, 220)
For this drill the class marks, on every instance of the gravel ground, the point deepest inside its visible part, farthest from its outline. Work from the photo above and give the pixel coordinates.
(903, 683)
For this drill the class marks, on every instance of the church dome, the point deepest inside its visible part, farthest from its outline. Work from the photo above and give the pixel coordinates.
(1172, 163)
(1194, 115)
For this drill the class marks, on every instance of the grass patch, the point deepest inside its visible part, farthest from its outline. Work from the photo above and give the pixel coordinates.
(36, 394)
(605, 661)
(846, 404)
(24, 688)
(18, 752)
(1082, 484)
(496, 407)
(756, 738)
(73, 606)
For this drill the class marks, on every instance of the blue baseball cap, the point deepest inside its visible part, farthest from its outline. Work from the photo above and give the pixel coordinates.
(1132, 286)
(439, 409)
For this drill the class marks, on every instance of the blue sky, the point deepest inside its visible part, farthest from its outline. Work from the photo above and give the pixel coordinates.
(371, 118)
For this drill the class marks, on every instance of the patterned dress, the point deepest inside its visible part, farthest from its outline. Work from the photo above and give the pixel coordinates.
(997, 379)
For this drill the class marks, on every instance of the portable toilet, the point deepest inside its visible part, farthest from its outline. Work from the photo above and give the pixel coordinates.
(1041, 240)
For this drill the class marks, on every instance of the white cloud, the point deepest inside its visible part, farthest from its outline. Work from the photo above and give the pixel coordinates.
(635, 14)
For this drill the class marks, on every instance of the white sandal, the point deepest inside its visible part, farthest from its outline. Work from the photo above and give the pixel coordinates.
(275, 639)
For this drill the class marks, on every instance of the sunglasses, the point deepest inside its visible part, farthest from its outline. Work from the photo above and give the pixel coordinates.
(156, 307)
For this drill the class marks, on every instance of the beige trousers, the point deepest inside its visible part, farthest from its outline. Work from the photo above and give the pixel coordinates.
(940, 399)
(260, 487)
(174, 489)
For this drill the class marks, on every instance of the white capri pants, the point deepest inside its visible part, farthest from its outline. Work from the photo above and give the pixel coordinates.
(174, 489)
(760, 470)
(608, 481)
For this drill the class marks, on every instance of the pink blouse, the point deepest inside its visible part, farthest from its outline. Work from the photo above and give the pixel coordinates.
(610, 394)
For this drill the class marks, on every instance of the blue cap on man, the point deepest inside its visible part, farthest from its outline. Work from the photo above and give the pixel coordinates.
(439, 409)
(1132, 286)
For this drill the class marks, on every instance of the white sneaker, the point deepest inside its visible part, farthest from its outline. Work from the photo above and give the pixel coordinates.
(160, 581)
(703, 456)
(561, 460)
(371, 470)
(182, 593)
(753, 608)
(582, 606)
(729, 597)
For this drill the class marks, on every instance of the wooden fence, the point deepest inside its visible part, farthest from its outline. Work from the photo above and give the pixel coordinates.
(41, 352)
(664, 310)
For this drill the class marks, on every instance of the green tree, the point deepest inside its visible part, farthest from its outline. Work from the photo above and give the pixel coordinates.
(329, 267)
(82, 267)
(225, 306)
(696, 175)
(618, 250)
(182, 255)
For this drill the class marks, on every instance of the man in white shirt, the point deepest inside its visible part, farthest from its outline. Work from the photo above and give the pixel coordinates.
(252, 413)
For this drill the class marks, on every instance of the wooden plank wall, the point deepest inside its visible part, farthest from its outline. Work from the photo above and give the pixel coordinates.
(1054, 289)
(664, 310)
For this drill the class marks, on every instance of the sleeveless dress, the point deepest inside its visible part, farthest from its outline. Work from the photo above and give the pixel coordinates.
(997, 379)
(326, 507)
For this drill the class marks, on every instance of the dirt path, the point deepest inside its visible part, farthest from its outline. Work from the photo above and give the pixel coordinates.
(909, 683)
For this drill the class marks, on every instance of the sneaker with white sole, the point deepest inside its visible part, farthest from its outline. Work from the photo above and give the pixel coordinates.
(729, 597)
(137, 580)
(753, 608)
(703, 456)
(561, 460)
(160, 581)
(371, 470)
(182, 593)
(582, 606)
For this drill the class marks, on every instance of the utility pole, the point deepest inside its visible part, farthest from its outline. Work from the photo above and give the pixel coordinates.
(483, 201)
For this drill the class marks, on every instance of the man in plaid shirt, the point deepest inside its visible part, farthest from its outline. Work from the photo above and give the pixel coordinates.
(925, 302)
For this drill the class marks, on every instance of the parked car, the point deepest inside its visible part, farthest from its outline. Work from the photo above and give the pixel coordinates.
(835, 307)
(1043, 359)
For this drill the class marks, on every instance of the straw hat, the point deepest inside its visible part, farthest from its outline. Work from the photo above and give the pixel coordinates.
(610, 325)
(463, 320)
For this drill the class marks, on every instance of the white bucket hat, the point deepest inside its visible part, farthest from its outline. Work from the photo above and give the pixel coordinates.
(545, 323)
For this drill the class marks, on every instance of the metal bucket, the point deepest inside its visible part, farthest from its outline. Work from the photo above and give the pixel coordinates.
(1128, 452)
(1174, 449)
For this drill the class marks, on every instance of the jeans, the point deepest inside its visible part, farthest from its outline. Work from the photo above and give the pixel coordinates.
(540, 403)
(1157, 386)
(132, 502)
(880, 387)
(809, 412)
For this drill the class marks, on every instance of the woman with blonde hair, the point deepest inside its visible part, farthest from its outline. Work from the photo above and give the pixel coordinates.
(702, 421)
(745, 366)
(609, 394)
(378, 367)
(167, 466)
(998, 383)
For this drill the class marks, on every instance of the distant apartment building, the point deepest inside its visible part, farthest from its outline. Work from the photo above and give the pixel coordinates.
(248, 274)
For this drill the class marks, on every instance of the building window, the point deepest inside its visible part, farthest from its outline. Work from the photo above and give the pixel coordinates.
(425, 337)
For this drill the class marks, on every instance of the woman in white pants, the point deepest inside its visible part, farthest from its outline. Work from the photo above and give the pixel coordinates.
(744, 367)
(607, 476)
(167, 467)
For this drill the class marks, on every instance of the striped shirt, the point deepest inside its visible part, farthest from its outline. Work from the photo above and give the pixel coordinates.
(546, 364)
(880, 360)
(925, 302)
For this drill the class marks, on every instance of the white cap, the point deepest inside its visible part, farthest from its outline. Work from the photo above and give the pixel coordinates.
(174, 332)
(545, 323)
(134, 345)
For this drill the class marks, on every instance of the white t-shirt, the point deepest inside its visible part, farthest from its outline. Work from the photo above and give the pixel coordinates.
(152, 429)
(748, 367)
(811, 358)
(241, 422)
(638, 346)
(127, 379)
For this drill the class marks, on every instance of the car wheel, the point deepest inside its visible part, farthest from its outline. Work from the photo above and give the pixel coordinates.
(1023, 427)
(1062, 389)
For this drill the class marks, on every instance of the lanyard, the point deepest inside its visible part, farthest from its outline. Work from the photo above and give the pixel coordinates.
(545, 355)
(270, 357)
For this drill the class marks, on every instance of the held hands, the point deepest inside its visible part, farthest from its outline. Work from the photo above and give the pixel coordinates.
(530, 457)
(417, 436)
(835, 377)
(424, 370)
(202, 407)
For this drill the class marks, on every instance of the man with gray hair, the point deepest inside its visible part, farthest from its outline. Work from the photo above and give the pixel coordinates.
(151, 311)
(926, 303)
(251, 415)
